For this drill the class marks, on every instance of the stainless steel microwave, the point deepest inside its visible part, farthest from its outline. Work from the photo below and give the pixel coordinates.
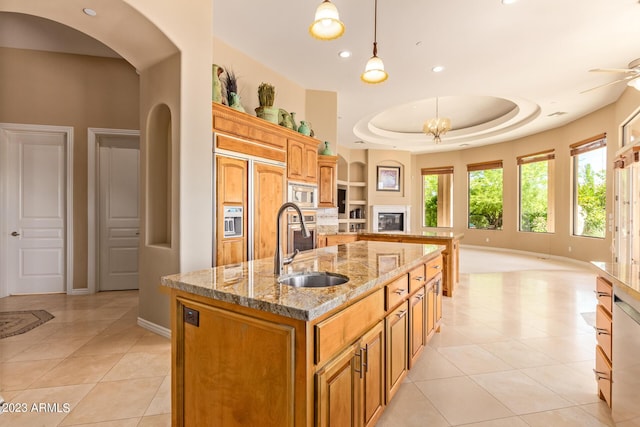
(305, 196)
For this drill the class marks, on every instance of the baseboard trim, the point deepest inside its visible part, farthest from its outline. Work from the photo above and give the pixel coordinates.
(83, 291)
(529, 253)
(160, 330)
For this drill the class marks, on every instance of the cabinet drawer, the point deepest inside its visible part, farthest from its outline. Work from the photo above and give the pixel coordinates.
(434, 267)
(417, 278)
(343, 328)
(603, 375)
(604, 292)
(396, 291)
(603, 330)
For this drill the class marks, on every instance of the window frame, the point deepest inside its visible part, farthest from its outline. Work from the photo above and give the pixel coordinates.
(576, 149)
(540, 156)
(442, 170)
(482, 166)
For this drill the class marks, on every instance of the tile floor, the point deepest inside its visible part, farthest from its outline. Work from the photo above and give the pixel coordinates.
(514, 350)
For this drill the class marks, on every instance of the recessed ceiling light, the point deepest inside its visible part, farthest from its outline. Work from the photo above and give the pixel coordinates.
(89, 11)
(344, 54)
(437, 69)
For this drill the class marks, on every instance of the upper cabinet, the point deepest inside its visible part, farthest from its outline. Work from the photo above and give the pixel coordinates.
(327, 181)
(302, 159)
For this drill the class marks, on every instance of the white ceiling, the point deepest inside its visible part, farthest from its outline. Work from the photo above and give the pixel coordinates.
(511, 65)
(507, 67)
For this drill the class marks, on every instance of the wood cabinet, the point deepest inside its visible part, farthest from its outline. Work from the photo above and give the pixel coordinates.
(604, 328)
(327, 181)
(302, 159)
(350, 388)
(231, 183)
(269, 192)
(397, 330)
(418, 324)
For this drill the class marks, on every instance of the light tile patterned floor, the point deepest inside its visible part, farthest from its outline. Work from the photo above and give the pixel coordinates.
(514, 351)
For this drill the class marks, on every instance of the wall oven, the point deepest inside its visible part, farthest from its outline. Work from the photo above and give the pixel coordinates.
(305, 196)
(295, 239)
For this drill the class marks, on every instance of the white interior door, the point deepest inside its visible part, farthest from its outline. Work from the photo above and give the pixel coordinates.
(36, 211)
(118, 213)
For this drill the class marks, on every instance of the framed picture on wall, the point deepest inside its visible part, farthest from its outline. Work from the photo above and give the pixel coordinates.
(388, 178)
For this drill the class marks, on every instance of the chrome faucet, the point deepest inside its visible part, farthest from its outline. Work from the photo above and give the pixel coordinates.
(279, 260)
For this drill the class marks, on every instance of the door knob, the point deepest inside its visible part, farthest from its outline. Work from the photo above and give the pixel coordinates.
(15, 233)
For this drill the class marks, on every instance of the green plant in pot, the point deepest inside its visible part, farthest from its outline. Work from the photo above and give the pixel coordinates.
(266, 110)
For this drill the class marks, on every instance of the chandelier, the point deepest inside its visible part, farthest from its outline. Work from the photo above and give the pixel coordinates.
(374, 70)
(437, 127)
(327, 24)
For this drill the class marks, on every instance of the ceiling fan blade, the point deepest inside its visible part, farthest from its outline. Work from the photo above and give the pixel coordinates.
(614, 70)
(610, 83)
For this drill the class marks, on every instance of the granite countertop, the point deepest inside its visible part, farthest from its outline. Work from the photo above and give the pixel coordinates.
(627, 276)
(252, 284)
(445, 235)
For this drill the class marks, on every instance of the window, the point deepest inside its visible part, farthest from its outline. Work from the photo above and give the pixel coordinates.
(437, 192)
(536, 192)
(485, 195)
(589, 186)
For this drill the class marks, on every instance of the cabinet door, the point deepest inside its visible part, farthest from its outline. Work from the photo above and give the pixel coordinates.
(310, 162)
(397, 330)
(337, 390)
(327, 184)
(417, 325)
(438, 289)
(231, 190)
(295, 160)
(430, 314)
(373, 375)
(269, 184)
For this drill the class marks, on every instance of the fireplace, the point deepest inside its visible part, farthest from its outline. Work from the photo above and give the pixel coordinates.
(391, 218)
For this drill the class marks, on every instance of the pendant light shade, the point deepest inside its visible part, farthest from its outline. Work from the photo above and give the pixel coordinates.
(327, 24)
(374, 69)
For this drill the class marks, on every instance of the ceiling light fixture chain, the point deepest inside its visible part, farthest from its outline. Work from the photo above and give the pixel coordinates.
(374, 69)
(438, 126)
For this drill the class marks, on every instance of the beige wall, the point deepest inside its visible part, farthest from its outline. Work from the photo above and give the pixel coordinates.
(389, 158)
(607, 119)
(47, 88)
(322, 111)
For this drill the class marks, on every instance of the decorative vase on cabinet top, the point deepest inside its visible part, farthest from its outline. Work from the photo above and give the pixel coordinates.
(304, 128)
(216, 87)
(327, 149)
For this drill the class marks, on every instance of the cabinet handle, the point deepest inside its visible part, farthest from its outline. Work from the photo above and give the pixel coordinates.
(420, 296)
(601, 376)
(401, 314)
(366, 357)
(400, 291)
(359, 355)
(436, 267)
(419, 278)
(601, 331)
(602, 294)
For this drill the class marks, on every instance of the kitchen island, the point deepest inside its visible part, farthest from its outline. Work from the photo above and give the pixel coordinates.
(247, 350)
(450, 254)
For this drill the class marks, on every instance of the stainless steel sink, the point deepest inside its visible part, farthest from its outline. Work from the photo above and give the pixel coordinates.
(316, 279)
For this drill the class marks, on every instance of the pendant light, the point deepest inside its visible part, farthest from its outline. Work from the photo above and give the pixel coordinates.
(437, 127)
(374, 70)
(327, 24)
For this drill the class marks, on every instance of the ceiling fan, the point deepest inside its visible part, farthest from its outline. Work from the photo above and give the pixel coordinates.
(632, 75)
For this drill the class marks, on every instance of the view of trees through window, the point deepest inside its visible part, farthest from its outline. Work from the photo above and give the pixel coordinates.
(590, 193)
(437, 196)
(535, 213)
(485, 198)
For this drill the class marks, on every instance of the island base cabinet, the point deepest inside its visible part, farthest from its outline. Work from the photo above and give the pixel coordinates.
(232, 369)
(418, 325)
(350, 388)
